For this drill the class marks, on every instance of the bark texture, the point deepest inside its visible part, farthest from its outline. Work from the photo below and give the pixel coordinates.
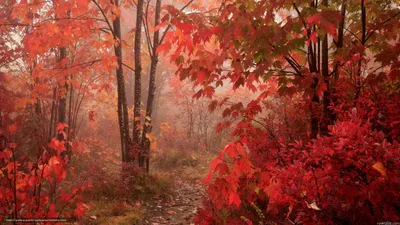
(138, 84)
(123, 119)
(145, 145)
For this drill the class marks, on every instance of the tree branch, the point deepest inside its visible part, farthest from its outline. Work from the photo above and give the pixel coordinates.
(105, 17)
(128, 67)
(384, 22)
(169, 26)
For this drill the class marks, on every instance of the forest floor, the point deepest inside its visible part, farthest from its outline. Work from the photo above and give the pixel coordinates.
(171, 193)
(180, 209)
(187, 171)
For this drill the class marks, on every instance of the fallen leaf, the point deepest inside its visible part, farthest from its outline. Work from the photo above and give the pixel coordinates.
(313, 206)
(171, 212)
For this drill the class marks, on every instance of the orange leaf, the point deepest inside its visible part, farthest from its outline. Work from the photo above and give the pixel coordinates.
(54, 161)
(380, 168)
(180, 35)
(57, 145)
(164, 126)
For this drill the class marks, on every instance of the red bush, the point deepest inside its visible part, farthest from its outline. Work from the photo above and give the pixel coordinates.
(349, 177)
(31, 189)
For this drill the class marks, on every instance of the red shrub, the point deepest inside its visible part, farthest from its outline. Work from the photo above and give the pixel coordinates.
(349, 177)
(31, 189)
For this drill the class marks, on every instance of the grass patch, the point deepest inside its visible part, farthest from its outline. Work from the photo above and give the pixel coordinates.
(194, 165)
(113, 212)
(158, 185)
(124, 207)
(172, 159)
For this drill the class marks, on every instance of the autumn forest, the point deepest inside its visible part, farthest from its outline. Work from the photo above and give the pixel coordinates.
(149, 112)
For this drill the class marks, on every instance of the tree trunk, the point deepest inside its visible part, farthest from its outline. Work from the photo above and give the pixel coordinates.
(152, 88)
(37, 104)
(312, 62)
(339, 45)
(363, 40)
(327, 114)
(138, 87)
(69, 137)
(62, 105)
(53, 105)
(122, 102)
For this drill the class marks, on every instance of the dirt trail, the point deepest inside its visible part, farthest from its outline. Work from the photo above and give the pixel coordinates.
(179, 210)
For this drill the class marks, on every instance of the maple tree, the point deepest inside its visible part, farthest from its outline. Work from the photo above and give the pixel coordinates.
(65, 52)
(61, 72)
(329, 59)
(46, 75)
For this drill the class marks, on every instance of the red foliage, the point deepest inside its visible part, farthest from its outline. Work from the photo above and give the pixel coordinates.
(29, 190)
(349, 177)
(274, 172)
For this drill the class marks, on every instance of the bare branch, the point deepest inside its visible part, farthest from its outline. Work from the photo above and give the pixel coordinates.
(384, 22)
(128, 67)
(105, 17)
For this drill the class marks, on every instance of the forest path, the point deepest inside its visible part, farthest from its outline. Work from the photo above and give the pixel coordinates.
(181, 208)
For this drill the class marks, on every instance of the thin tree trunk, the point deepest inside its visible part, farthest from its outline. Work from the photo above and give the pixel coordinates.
(37, 104)
(312, 59)
(339, 45)
(138, 87)
(145, 145)
(52, 114)
(363, 40)
(69, 137)
(156, 103)
(54, 134)
(122, 102)
(327, 114)
(62, 105)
